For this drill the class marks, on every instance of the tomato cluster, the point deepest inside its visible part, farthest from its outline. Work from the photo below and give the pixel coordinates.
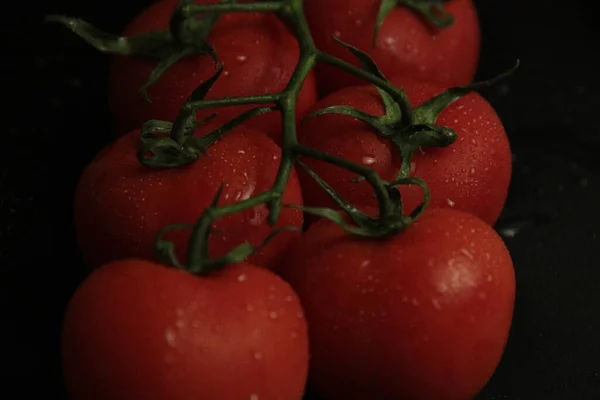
(234, 254)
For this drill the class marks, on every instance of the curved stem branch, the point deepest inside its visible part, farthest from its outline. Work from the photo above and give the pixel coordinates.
(232, 101)
(197, 254)
(385, 203)
(192, 9)
(370, 78)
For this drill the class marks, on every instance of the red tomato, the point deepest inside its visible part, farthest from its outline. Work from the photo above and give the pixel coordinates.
(423, 315)
(121, 205)
(259, 55)
(406, 43)
(166, 334)
(472, 174)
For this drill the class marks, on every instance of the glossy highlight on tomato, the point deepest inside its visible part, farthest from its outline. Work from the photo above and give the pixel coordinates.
(162, 333)
(472, 175)
(121, 205)
(406, 44)
(422, 315)
(258, 52)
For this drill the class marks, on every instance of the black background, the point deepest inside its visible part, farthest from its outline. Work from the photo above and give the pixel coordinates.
(55, 118)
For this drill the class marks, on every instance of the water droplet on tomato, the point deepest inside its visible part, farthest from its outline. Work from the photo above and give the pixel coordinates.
(358, 22)
(180, 323)
(170, 337)
(254, 397)
(450, 202)
(242, 277)
(271, 296)
(467, 253)
(415, 302)
(241, 58)
(337, 33)
(436, 304)
(294, 334)
(368, 160)
(389, 40)
(489, 278)
(258, 355)
(472, 171)
(273, 315)
(249, 307)
(300, 315)
(289, 299)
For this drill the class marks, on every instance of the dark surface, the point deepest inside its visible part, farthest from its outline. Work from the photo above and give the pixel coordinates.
(57, 119)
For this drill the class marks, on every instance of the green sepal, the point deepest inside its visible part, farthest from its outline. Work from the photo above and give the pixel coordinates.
(428, 112)
(165, 250)
(185, 37)
(432, 11)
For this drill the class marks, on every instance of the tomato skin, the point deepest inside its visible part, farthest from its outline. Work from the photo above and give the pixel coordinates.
(406, 44)
(120, 205)
(423, 315)
(163, 333)
(259, 55)
(473, 174)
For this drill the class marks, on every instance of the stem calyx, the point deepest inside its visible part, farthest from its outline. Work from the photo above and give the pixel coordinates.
(198, 260)
(432, 11)
(409, 129)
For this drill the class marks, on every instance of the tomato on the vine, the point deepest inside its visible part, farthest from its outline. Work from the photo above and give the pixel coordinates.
(138, 330)
(473, 174)
(406, 43)
(121, 205)
(422, 315)
(258, 52)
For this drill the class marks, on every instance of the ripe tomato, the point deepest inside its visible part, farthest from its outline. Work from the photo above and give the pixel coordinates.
(163, 333)
(423, 315)
(472, 174)
(406, 44)
(121, 205)
(259, 55)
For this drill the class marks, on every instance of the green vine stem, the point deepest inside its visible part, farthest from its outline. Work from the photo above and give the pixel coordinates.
(172, 144)
(284, 101)
(198, 260)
